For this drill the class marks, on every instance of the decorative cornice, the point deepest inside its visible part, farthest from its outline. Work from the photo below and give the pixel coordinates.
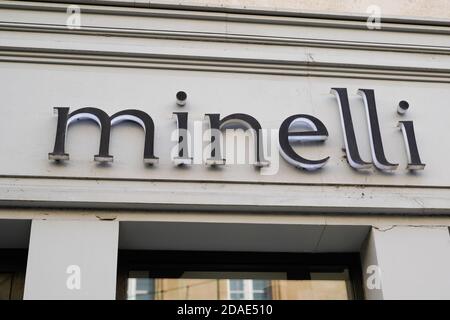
(226, 37)
(220, 64)
(239, 15)
(338, 66)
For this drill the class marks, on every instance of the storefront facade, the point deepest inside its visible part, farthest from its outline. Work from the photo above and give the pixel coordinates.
(139, 138)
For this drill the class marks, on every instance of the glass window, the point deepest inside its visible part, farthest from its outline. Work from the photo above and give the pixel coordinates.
(237, 286)
(261, 290)
(248, 289)
(197, 275)
(140, 287)
(236, 290)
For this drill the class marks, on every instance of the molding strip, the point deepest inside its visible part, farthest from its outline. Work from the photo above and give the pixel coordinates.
(227, 182)
(342, 200)
(220, 64)
(222, 37)
(244, 16)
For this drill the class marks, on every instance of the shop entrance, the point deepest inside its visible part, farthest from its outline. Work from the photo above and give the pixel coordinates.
(238, 261)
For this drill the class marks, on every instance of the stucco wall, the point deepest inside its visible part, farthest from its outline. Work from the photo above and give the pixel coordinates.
(409, 8)
(404, 8)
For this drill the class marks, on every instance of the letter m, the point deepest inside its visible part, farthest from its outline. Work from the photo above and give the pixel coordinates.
(105, 122)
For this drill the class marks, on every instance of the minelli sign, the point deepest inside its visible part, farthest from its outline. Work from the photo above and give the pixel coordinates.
(295, 129)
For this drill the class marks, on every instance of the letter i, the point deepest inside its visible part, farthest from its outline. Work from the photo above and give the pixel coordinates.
(409, 136)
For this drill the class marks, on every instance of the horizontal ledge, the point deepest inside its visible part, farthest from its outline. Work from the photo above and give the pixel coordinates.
(216, 196)
(240, 15)
(7, 177)
(220, 64)
(213, 208)
(224, 37)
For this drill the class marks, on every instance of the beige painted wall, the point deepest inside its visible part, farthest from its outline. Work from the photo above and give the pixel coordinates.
(408, 8)
(434, 9)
